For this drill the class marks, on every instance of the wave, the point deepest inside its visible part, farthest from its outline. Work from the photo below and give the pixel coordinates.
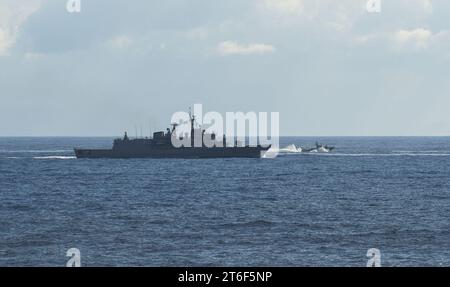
(383, 154)
(36, 151)
(293, 149)
(55, 157)
(289, 149)
(421, 151)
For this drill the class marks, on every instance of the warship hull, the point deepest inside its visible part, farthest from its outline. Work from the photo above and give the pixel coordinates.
(182, 152)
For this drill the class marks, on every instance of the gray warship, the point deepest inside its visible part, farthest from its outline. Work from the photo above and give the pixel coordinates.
(160, 146)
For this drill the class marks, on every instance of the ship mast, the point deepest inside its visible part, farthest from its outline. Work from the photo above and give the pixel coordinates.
(192, 119)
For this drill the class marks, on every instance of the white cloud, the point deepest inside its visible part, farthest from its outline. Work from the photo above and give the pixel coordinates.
(428, 7)
(419, 38)
(293, 7)
(229, 47)
(424, 7)
(329, 14)
(341, 15)
(13, 13)
(364, 39)
(6, 40)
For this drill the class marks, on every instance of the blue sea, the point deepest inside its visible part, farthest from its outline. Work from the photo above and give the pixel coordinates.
(313, 209)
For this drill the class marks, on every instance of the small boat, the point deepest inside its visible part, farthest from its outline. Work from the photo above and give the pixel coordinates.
(322, 148)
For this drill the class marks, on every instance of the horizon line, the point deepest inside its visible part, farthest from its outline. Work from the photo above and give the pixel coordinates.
(140, 137)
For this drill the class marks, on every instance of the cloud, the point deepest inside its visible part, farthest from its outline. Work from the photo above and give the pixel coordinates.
(229, 47)
(423, 39)
(418, 37)
(6, 40)
(428, 6)
(425, 5)
(332, 15)
(293, 7)
(13, 13)
(364, 39)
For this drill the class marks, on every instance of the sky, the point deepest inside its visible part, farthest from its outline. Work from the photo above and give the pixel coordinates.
(330, 68)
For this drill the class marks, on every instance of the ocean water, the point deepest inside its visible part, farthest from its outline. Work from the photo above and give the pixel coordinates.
(295, 210)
